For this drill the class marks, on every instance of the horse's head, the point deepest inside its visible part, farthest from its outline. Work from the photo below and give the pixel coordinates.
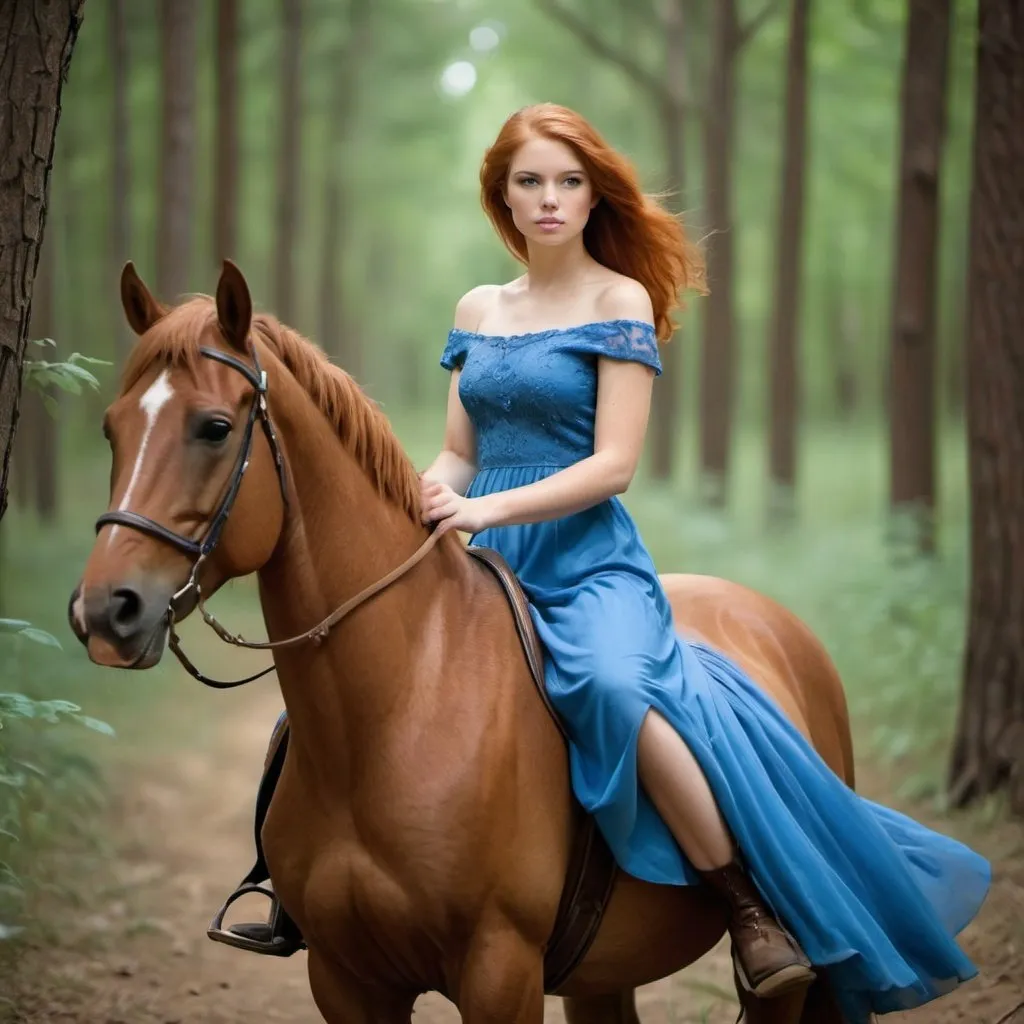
(195, 488)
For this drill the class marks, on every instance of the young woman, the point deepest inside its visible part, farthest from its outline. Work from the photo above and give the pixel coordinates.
(692, 774)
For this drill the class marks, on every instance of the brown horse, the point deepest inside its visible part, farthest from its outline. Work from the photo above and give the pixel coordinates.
(420, 831)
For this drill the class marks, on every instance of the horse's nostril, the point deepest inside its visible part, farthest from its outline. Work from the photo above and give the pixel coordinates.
(77, 625)
(125, 610)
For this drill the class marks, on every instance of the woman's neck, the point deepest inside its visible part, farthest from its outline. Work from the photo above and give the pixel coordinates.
(555, 269)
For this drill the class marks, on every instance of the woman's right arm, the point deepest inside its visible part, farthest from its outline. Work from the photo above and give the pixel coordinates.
(455, 464)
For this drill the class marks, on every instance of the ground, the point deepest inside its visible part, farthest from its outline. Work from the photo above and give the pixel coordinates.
(135, 952)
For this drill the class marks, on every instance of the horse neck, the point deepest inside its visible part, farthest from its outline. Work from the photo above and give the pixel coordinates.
(340, 536)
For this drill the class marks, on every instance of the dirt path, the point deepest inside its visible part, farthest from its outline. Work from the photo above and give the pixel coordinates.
(135, 951)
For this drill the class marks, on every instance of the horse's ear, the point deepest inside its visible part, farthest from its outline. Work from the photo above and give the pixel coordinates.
(234, 305)
(140, 308)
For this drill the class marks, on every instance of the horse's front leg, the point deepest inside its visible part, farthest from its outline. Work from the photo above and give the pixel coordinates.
(787, 1008)
(502, 980)
(617, 1008)
(342, 999)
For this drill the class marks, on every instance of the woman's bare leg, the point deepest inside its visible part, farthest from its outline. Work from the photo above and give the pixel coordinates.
(768, 959)
(679, 789)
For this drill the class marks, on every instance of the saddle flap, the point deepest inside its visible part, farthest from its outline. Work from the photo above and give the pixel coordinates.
(524, 624)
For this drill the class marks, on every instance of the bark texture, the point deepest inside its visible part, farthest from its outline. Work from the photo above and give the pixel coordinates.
(988, 752)
(37, 39)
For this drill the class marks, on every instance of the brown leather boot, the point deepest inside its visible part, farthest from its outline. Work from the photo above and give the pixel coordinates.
(768, 960)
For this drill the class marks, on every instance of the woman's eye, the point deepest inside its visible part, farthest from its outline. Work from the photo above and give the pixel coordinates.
(573, 181)
(214, 431)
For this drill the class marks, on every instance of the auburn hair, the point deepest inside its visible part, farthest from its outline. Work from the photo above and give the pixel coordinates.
(627, 231)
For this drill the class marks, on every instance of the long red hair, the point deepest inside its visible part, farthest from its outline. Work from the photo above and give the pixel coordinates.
(628, 231)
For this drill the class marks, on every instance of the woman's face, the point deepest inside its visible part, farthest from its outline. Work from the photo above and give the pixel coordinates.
(548, 191)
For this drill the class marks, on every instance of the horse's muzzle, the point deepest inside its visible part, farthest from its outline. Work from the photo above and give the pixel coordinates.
(76, 618)
(122, 625)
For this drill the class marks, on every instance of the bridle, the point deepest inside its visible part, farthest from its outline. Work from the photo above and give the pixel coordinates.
(202, 548)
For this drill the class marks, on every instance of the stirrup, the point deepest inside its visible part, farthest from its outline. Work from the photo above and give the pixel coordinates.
(279, 936)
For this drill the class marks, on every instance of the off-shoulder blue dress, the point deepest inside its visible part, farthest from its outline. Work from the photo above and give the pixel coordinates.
(873, 897)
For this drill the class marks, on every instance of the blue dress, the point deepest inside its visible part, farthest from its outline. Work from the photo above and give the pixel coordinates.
(873, 897)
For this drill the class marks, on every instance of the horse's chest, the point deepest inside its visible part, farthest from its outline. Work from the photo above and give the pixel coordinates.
(376, 917)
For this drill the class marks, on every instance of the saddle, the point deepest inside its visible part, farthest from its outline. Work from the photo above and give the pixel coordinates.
(592, 870)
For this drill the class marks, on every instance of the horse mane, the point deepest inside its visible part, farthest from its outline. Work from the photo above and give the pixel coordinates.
(361, 426)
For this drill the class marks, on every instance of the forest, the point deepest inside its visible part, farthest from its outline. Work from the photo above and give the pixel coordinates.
(840, 423)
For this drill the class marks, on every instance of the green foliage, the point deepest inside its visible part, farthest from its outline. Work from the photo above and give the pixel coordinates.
(27, 787)
(32, 770)
(67, 375)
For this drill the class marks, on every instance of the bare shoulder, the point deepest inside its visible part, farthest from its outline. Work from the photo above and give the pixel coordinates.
(471, 309)
(624, 298)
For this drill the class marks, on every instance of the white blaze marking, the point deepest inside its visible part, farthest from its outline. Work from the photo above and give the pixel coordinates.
(157, 395)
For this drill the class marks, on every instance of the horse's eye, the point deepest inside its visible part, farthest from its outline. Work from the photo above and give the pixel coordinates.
(214, 431)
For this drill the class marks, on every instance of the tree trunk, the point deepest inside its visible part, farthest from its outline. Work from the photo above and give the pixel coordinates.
(988, 752)
(783, 361)
(44, 437)
(665, 405)
(177, 158)
(953, 377)
(23, 480)
(717, 372)
(841, 330)
(912, 382)
(288, 161)
(38, 40)
(120, 206)
(338, 332)
(953, 330)
(225, 198)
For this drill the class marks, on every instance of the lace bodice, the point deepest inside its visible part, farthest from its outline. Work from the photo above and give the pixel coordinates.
(532, 397)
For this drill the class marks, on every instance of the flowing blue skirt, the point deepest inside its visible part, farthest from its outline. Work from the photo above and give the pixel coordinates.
(873, 897)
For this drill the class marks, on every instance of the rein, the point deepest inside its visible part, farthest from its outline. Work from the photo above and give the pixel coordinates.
(202, 548)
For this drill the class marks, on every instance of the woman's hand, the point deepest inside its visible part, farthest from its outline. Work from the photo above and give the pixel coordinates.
(440, 504)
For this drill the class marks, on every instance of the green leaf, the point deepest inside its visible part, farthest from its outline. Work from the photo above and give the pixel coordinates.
(39, 636)
(96, 725)
(74, 370)
(51, 710)
(68, 376)
(8, 931)
(43, 342)
(65, 382)
(17, 704)
(77, 357)
(10, 835)
(13, 625)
